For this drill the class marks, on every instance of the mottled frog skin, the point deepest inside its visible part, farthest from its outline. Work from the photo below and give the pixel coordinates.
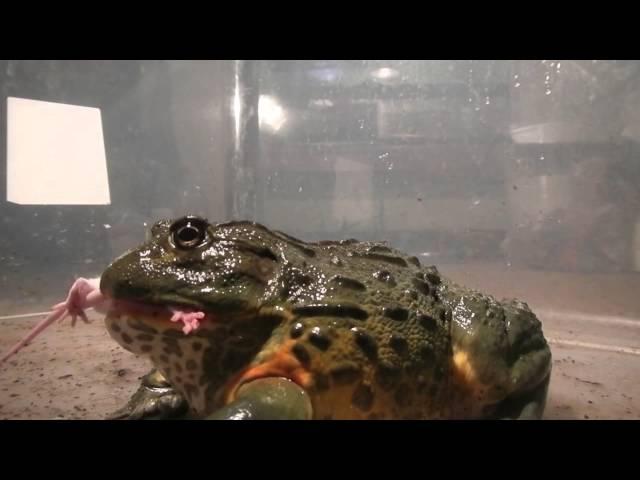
(364, 329)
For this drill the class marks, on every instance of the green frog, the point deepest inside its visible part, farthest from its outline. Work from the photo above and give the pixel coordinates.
(244, 322)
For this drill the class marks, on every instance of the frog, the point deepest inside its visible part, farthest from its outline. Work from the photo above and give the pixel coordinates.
(242, 322)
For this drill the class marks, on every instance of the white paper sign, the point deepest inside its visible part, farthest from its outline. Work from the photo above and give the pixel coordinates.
(55, 154)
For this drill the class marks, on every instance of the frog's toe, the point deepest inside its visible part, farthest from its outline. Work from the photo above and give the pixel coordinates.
(529, 406)
(268, 399)
(155, 399)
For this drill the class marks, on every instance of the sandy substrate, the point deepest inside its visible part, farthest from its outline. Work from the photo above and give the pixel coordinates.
(81, 373)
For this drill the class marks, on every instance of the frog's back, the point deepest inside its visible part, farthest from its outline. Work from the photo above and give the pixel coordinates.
(365, 332)
(370, 333)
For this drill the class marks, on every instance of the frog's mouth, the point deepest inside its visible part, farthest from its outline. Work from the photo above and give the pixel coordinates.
(187, 316)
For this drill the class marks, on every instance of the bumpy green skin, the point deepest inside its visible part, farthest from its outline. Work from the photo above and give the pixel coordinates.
(379, 335)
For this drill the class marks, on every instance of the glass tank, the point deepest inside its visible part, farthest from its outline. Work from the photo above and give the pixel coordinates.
(517, 179)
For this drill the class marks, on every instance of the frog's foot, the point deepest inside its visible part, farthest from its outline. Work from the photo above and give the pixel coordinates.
(190, 319)
(529, 406)
(155, 399)
(83, 294)
(267, 399)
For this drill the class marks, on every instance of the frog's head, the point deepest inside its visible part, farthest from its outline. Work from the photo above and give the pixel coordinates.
(223, 275)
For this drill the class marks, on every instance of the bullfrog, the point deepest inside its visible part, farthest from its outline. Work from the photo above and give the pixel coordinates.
(244, 322)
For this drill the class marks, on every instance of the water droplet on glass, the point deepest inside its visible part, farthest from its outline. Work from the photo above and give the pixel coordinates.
(547, 91)
(517, 84)
(299, 189)
(384, 155)
(487, 101)
(390, 166)
(107, 226)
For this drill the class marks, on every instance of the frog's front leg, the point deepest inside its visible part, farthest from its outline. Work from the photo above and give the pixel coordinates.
(155, 399)
(528, 406)
(273, 398)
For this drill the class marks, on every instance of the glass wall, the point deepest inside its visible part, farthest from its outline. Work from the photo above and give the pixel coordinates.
(518, 178)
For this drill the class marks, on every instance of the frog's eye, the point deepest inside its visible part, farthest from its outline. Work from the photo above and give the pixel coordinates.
(189, 232)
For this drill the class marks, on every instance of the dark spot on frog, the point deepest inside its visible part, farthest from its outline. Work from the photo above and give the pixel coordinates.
(296, 330)
(379, 249)
(172, 334)
(432, 277)
(411, 294)
(421, 286)
(196, 346)
(122, 372)
(366, 342)
(396, 313)
(362, 398)
(321, 382)
(173, 349)
(385, 276)
(387, 376)
(348, 283)
(331, 310)
(345, 374)
(145, 337)
(401, 396)
(178, 367)
(164, 359)
(378, 257)
(301, 354)
(319, 339)
(191, 364)
(398, 343)
(137, 325)
(427, 321)
(295, 243)
(348, 241)
(126, 338)
(146, 348)
(426, 353)
(433, 391)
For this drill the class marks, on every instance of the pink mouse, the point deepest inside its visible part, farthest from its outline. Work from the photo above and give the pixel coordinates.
(85, 294)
